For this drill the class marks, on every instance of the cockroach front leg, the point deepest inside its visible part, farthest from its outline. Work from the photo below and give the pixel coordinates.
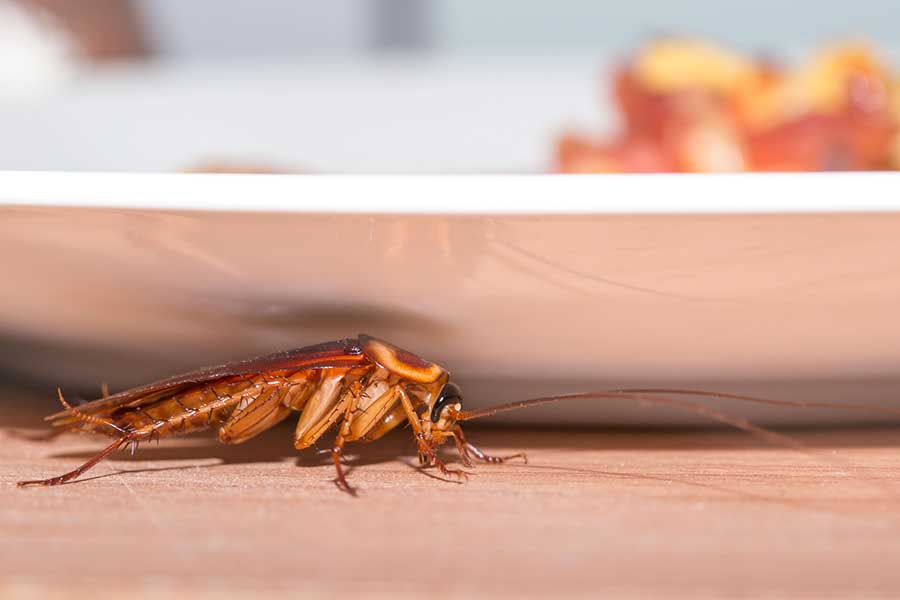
(466, 450)
(425, 450)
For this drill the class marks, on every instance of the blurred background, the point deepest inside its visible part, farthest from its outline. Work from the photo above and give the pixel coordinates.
(450, 87)
(784, 305)
(368, 85)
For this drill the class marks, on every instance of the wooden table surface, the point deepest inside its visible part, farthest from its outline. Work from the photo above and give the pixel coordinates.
(621, 513)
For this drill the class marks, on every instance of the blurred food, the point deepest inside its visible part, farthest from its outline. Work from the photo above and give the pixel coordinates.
(690, 106)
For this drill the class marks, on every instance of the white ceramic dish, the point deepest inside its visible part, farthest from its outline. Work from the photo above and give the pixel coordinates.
(781, 285)
(379, 116)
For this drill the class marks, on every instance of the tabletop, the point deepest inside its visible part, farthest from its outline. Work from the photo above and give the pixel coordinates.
(611, 512)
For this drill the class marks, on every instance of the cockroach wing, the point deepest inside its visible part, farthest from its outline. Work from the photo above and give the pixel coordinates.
(344, 353)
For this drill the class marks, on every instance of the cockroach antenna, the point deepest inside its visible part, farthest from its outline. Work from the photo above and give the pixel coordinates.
(648, 397)
(663, 396)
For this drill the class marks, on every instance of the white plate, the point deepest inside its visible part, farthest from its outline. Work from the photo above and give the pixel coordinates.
(782, 285)
(380, 116)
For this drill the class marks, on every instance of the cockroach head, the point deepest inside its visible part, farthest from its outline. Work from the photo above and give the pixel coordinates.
(448, 402)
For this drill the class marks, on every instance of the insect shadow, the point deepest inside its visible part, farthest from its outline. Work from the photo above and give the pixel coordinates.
(275, 449)
(254, 451)
(269, 448)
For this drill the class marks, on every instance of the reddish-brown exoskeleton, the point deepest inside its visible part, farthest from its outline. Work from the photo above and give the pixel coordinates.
(363, 385)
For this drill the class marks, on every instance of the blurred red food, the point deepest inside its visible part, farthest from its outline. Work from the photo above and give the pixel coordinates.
(688, 106)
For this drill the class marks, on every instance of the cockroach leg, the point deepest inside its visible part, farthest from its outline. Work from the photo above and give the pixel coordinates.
(337, 450)
(341, 480)
(494, 459)
(328, 451)
(86, 466)
(466, 448)
(425, 450)
(461, 449)
(434, 461)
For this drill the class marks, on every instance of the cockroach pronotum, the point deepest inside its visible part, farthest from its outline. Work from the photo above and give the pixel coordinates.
(364, 387)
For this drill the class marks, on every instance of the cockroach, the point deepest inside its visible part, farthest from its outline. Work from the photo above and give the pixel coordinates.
(363, 387)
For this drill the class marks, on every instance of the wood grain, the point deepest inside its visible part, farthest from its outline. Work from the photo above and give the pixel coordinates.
(624, 513)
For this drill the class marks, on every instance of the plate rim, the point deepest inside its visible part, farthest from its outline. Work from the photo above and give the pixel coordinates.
(531, 194)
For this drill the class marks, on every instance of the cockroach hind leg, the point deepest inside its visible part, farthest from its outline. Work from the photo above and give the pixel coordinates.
(65, 477)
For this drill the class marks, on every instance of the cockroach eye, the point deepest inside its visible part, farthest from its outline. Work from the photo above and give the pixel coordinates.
(450, 394)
